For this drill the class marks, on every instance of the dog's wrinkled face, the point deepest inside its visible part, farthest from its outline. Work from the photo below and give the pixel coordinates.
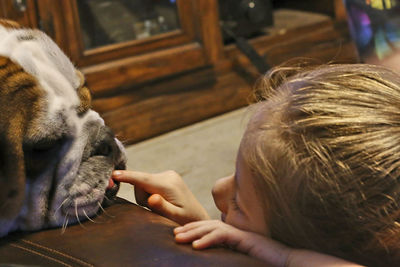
(56, 154)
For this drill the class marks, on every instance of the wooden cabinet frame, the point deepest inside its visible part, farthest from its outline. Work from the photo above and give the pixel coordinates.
(198, 43)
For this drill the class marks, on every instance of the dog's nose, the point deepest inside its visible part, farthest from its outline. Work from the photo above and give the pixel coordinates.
(102, 142)
(106, 145)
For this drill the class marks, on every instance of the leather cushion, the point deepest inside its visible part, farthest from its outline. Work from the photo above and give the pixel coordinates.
(126, 235)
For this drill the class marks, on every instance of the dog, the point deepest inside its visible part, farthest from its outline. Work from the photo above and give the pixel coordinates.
(56, 154)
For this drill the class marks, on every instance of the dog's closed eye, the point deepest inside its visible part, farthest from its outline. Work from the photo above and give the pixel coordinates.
(46, 145)
(41, 153)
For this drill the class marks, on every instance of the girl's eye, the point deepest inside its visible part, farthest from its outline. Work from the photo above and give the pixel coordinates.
(235, 204)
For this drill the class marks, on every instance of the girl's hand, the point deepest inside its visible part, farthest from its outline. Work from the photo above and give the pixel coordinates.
(204, 234)
(164, 193)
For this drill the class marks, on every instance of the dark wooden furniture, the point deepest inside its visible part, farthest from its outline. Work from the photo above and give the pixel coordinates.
(149, 86)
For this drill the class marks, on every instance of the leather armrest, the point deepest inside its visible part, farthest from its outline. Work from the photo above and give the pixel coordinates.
(125, 235)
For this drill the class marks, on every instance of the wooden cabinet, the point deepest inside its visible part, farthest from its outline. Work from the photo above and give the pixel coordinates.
(114, 39)
(154, 66)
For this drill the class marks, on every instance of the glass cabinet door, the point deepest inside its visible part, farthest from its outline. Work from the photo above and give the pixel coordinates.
(121, 42)
(106, 22)
(102, 30)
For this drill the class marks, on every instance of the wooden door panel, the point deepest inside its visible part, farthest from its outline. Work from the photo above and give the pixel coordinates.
(105, 78)
(23, 12)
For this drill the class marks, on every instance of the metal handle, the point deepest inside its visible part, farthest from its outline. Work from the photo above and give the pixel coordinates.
(20, 5)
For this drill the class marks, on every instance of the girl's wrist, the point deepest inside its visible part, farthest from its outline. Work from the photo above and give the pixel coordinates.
(268, 250)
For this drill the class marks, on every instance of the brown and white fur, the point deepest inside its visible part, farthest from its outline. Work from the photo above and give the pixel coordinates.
(56, 154)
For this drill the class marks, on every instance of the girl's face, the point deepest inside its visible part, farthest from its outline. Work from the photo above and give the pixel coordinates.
(236, 197)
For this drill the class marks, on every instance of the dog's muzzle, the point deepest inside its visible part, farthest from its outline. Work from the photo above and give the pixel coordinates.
(108, 151)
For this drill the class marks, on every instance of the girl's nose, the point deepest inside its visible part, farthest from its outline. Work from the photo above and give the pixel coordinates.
(222, 192)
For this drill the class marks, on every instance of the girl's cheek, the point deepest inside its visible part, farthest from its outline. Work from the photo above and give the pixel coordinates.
(237, 220)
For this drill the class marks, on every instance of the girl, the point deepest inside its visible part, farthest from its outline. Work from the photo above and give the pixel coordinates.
(318, 169)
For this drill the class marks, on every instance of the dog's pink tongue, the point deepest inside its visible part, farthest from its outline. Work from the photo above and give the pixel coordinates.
(110, 183)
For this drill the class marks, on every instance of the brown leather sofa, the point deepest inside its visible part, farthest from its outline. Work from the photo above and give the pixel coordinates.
(125, 235)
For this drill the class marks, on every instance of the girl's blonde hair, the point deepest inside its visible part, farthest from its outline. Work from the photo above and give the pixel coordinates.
(327, 153)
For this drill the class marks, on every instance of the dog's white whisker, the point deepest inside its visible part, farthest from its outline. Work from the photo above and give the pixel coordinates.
(64, 228)
(65, 224)
(87, 217)
(76, 214)
(59, 207)
(104, 211)
(98, 216)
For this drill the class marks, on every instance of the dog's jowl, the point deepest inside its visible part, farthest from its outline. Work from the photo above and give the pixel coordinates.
(56, 154)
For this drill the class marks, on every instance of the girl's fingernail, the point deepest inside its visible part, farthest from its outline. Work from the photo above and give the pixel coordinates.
(117, 173)
(195, 243)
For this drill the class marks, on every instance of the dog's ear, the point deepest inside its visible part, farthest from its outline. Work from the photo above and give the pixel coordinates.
(12, 171)
(9, 24)
(19, 104)
(12, 165)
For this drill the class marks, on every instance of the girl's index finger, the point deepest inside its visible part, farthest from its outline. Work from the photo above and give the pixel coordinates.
(141, 179)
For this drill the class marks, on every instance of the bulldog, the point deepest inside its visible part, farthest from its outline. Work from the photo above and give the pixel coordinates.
(56, 154)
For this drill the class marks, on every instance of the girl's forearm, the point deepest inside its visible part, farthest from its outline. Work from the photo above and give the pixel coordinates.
(276, 254)
(308, 258)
